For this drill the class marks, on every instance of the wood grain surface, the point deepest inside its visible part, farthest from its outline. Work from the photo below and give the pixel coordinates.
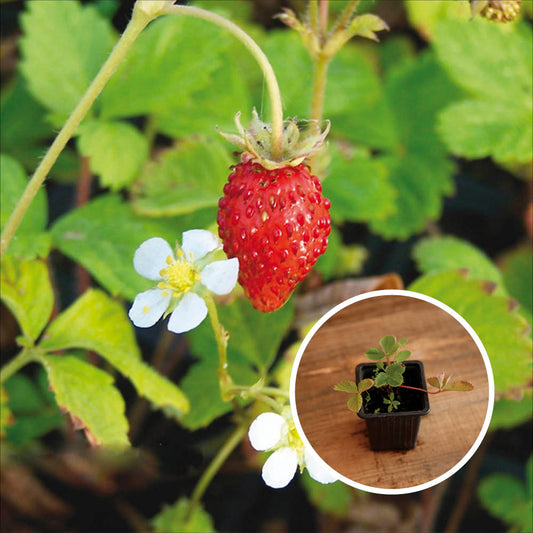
(339, 436)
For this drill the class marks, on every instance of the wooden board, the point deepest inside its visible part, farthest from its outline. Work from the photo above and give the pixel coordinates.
(339, 436)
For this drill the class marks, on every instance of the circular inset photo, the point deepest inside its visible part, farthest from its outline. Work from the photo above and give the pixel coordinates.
(393, 390)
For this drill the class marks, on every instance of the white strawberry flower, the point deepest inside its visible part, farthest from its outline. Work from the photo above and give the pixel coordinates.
(184, 280)
(270, 431)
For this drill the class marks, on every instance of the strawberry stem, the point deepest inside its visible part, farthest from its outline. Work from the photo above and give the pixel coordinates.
(416, 388)
(138, 22)
(259, 56)
(221, 337)
(215, 465)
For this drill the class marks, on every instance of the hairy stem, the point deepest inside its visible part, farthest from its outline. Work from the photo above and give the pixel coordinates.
(221, 337)
(273, 391)
(215, 466)
(24, 357)
(320, 73)
(267, 400)
(346, 15)
(134, 28)
(270, 391)
(259, 56)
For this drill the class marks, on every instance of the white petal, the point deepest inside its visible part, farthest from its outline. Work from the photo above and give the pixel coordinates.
(151, 257)
(199, 242)
(280, 468)
(265, 431)
(221, 276)
(189, 313)
(317, 468)
(148, 307)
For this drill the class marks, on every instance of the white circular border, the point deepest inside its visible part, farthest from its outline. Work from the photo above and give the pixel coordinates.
(451, 312)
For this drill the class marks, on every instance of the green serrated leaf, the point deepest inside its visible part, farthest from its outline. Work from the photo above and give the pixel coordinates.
(510, 413)
(88, 393)
(116, 151)
(358, 187)
(63, 47)
(186, 178)
(353, 92)
(472, 51)
(437, 254)
(364, 385)
(212, 107)
(175, 517)
(381, 379)
(476, 128)
(501, 329)
(395, 374)
(402, 356)
(497, 120)
(30, 240)
(346, 386)
(171, 59)
(505, 497)
(104, 234)
(332, 498)
(420, 169)
(97, 322)
(375, 354)
(354, 403)
(27, 293)
(387, 343)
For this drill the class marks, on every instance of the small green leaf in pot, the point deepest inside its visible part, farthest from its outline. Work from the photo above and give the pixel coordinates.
(387, 343)
(375, 354)
(364, 385)
(354, 403)
(402, 356)
(381, 379)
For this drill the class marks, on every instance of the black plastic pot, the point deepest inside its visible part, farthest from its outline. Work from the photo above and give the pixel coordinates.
(397, 430)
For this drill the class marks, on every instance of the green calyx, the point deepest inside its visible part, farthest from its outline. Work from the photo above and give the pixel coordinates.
(300, 140)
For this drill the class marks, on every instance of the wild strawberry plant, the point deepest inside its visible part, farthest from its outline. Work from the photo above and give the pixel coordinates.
(132, 121)
(389, 376)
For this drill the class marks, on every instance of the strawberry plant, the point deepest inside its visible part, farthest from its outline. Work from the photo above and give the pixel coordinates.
(389, 376)
(156, 285)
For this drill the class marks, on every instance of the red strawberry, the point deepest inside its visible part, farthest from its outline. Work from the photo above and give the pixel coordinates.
(276, 222)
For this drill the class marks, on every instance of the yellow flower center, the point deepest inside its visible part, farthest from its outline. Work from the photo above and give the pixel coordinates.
(295, 442)
(180, 276)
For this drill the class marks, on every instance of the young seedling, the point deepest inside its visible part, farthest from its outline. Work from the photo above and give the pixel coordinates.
(389, 374)
(391, 402)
